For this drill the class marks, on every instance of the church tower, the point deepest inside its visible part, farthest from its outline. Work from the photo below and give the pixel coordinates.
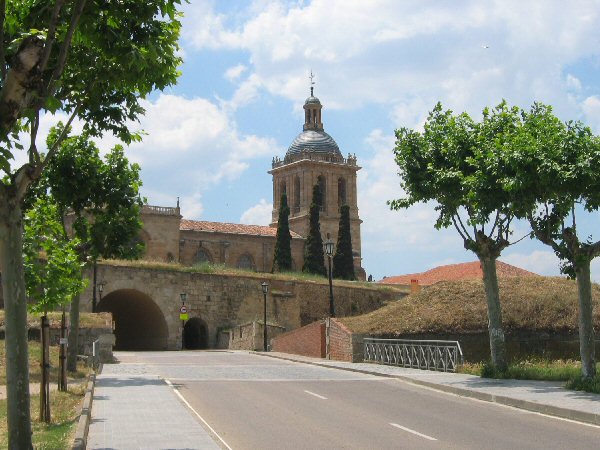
(315, 158)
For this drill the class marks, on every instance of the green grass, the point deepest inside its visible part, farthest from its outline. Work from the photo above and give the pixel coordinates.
(35, 353)
(568, 371)
(65, 407)
(86, 320)
(64, 412)
(220, 269)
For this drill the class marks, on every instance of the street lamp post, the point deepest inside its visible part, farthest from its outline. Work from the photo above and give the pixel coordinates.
(183, 296)
(329, 246)
(101, 289)
(265, 289)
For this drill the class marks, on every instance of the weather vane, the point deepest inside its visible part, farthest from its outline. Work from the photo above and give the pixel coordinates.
(311, 76)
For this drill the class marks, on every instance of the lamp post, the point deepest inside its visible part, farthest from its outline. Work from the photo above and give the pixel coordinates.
(329, 246)
(265, 289)
(183, 296)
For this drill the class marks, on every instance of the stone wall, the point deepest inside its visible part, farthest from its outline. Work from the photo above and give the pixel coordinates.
(307, 341)
(160, 232)
(225, 301)
(228, 248)
(250, 336)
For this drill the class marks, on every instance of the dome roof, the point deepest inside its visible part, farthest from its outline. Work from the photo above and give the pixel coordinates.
(312, 99)
(316, 141)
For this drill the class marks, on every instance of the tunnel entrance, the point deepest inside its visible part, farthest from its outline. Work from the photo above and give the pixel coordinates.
(195, 334)
(139, 322)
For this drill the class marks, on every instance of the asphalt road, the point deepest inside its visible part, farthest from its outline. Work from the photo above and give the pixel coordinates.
(255, 402)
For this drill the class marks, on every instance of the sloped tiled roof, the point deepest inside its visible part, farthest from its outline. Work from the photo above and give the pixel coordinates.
(229, 228)
(453, 272)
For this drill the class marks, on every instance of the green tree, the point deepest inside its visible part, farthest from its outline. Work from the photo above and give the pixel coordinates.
(314, 258)
(556, 173)
(102, 200)
(343, 260)
(456, 162)
(92, 60)
(52, 275)
(282, 260)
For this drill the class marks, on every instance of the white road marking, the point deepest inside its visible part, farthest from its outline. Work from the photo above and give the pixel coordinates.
(198, 415)
(316, 395)
(413, 432)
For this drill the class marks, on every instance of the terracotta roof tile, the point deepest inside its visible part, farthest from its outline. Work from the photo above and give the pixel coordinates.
(229, 228)
(454, 272)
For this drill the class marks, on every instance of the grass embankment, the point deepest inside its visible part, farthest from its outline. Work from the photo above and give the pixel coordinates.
(221, 269)
(65, 407)
(542, 304)
(529, 304)
(86, 320)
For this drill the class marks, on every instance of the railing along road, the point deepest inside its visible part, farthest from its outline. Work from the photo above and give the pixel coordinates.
(443, 356)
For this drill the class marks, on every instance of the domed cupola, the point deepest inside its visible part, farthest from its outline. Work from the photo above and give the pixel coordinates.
(313, 138)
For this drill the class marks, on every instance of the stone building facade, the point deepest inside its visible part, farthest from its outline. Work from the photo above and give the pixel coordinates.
(313, 158)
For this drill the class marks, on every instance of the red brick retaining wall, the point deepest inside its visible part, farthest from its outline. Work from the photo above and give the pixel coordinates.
(307, 341)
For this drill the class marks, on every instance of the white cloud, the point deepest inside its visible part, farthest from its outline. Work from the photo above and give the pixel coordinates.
(542, 262)
(259, 214)
(591, 111)
(383, 49)
(233, 73)
(573, 82)
(193, 142)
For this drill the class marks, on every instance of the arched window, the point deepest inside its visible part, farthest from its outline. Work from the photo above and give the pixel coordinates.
(202, 256)
(323, 188)
(341, 192)
(296, 195)
(246, 262)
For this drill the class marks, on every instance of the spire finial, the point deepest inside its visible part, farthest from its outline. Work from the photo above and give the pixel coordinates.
(311, 76)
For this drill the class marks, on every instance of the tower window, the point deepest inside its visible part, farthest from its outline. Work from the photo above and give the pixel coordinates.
(323, 188)
(342, 192)
(297, 194)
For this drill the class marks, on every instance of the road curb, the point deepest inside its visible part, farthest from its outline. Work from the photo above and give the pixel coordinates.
(550, 410)
(83, 425)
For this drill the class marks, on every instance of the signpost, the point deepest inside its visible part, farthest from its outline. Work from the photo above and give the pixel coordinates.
(183, 316)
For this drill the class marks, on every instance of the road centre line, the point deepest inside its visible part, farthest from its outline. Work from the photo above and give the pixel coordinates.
(197, 415)
(316, 395)
(413, 432)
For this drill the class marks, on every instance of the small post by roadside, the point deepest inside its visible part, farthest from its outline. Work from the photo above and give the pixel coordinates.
(62, 357)
(183, 316)
(265, 289)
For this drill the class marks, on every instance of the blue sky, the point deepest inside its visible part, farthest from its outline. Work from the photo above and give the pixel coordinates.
(379, 65)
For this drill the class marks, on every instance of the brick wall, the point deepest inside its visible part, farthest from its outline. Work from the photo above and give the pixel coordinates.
(344, 345)
(307, 341)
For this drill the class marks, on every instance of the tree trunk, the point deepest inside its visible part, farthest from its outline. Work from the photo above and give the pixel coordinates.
(492, 296)
(586, 325)
(73, 335)
(15, 307)
(62, 357)
(45, 366)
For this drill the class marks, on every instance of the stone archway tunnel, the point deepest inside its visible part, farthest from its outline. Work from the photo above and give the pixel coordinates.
(139, 322)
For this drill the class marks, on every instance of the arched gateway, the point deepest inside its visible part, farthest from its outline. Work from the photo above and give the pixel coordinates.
(139, 322)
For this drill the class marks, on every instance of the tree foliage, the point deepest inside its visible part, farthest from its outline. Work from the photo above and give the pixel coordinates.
(343, 260)
(556, 178)
(282, 260)
(458, 163)
(314, 258)
(92, 60)
(53, 271)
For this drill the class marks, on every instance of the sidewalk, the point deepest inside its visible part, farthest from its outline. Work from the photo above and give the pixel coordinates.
(544, 397)
(124, 402)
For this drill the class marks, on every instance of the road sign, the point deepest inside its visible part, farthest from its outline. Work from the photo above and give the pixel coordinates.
(183, 309)
(183, 316)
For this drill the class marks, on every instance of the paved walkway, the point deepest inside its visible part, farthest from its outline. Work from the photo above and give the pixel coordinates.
(133, 409)
(137, 411)
(540, 396)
